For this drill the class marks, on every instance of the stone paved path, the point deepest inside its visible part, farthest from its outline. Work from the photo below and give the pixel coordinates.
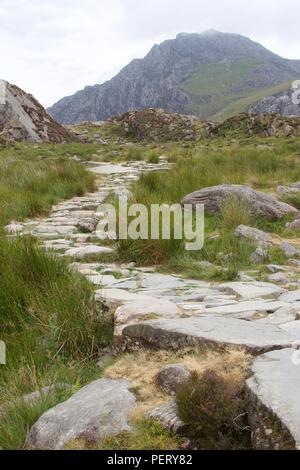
(167, 310)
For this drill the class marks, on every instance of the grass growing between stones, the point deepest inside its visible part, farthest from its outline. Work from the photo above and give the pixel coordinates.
(146, 434)
(140, 369)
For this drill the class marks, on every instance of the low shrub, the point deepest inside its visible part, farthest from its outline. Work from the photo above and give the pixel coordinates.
(214, 410)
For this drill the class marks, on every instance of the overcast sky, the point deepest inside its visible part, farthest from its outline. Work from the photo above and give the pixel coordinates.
(52, 48)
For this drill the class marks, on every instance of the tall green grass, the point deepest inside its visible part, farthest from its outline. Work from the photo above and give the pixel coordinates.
(49, 321)
(30, 188)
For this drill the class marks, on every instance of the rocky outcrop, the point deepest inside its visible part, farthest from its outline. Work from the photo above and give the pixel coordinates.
(100, 409)
(160, 125)
(260, 204)
(264, 125)
(23, 119)
(281, 103)
(175, 75)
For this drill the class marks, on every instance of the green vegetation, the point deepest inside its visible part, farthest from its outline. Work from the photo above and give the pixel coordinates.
(52, 327)
(30, 185)
(146, 435)
(251, 163)
(49, 321)
(214, 410)
(230, 95)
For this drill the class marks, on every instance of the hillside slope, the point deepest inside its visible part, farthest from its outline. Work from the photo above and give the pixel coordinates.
(198, 74)
(23, 119)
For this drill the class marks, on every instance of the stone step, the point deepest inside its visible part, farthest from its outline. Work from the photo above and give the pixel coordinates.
(207, 330)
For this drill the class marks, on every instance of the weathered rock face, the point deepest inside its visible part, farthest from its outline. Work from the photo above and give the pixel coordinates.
(281, 103)
(260, 204)
(22, 118)
(161, 79)
(100, 409)
(274, 387)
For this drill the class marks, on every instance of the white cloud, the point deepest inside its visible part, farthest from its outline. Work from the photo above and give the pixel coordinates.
(52, 48)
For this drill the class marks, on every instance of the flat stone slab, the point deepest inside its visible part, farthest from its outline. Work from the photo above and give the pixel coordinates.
(141, 310)
(100, 409)
(120, 296)
(210, 330)
(252, 290)
(292, 296)
(88, 250)
(293, 329)
(247, 306)
(109, 169)
(276, 384)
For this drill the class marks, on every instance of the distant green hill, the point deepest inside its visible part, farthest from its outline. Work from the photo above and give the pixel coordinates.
(220, 90)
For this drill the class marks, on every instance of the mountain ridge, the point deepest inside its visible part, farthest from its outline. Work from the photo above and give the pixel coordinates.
(162, 79)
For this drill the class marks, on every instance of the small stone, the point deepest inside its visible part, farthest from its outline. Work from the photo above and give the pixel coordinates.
(171, 378)
(14, 228)
(253, 234)
(289, 250)
(294, 262)
(294, 225)
(166, 415)
(259, 256)
(275, 268)
(278, 277)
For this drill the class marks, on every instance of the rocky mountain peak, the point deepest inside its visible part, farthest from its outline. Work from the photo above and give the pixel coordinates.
(210, 74)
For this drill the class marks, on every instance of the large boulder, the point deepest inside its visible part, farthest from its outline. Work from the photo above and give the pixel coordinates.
(260, 204)
(23, 118)
(100, 409)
